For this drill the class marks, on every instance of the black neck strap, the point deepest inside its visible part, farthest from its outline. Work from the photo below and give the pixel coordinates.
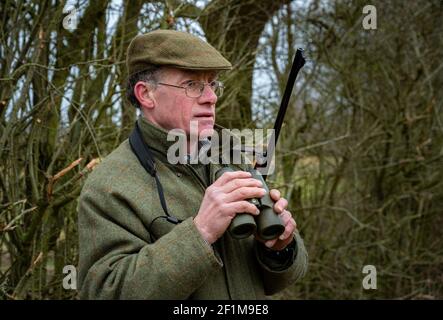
(146, 159)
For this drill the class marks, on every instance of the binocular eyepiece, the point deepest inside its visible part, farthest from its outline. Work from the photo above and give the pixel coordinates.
(267, 224)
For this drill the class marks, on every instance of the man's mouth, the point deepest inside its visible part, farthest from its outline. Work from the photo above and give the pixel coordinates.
(204, 115)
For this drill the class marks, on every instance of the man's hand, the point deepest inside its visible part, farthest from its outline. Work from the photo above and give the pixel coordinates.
(290, 226)
(223, 200)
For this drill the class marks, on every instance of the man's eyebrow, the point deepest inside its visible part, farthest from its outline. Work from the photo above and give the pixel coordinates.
(185, 80)
(186, 75)
(190, 75)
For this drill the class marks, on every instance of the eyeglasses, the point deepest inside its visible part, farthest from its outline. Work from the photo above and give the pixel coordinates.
(194, 89)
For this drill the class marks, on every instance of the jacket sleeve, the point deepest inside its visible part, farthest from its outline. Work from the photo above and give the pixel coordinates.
(118, 262)
(278, 275)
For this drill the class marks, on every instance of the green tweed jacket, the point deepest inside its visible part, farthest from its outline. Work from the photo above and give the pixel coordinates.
(117, 259)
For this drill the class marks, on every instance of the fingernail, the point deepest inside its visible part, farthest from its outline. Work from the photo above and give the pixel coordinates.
(268, 244)
(281, 237)
(257, 211)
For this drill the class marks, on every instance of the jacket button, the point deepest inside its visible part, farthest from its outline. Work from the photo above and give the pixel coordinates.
(179, 174)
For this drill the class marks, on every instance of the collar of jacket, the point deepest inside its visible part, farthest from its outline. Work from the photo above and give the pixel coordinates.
(156, 137)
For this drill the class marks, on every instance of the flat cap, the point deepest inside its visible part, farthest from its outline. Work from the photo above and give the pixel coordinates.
(175, 49)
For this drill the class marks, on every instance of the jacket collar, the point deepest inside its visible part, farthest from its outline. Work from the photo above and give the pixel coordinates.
(154, 136)
(157, 137)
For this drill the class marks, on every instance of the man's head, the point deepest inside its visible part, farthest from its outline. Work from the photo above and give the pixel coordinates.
(173, 79)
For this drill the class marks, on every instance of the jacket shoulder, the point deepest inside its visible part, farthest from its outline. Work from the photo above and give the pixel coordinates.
(119, 170)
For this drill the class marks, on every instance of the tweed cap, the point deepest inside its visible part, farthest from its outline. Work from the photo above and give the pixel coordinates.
(175, 49)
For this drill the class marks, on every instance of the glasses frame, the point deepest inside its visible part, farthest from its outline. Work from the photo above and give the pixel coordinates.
(220, 85)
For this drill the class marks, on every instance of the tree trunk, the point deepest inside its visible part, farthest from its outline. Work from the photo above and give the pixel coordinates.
(234, 28)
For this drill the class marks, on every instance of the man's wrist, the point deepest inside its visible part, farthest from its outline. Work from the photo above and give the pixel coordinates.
(203, 233)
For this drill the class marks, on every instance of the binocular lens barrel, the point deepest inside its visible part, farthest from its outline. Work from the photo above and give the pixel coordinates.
(267, 224)
(242, 226)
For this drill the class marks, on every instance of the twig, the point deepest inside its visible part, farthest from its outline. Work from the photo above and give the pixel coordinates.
(53, 179)
(9, 226)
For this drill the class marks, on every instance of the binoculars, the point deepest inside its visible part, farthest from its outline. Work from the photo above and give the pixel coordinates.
(267, 224)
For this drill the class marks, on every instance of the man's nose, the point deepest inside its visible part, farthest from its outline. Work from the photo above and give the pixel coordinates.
(208, 96)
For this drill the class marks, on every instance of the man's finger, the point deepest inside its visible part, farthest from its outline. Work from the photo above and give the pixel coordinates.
(270, 243)
(281, 205)
(244, 193)
(294, 223)
(289, 230)
(235, 184)
(285, 216)
(228, 176)
(243, 207)
(275, 194)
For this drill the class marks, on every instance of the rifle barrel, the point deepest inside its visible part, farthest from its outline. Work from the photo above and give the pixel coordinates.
(297, 64)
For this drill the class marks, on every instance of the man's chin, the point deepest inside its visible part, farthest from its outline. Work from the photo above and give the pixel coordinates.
(206, 132)
(205, 127)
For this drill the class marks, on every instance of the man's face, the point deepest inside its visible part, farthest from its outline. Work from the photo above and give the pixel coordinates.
(175, 110)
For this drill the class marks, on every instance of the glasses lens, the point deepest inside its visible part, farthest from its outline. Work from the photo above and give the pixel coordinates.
(217, 87)
(194, 89)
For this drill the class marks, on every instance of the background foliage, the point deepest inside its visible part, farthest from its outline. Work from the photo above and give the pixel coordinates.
(360, 157)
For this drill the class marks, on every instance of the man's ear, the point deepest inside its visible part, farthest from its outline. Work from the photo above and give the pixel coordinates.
(144, 94)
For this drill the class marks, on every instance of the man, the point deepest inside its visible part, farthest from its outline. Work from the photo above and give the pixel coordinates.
(126, 251)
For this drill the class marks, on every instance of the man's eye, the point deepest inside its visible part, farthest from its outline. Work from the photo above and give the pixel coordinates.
(187, 83)
(192, 84)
